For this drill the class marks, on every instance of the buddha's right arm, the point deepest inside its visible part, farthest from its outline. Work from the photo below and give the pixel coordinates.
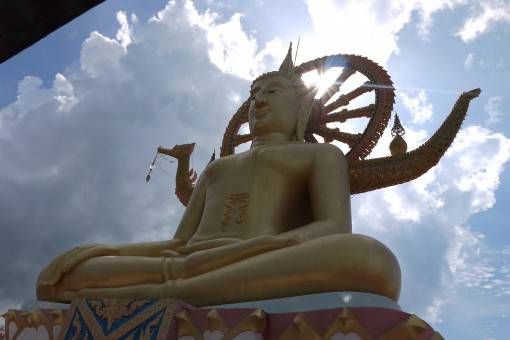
(65, 262)
(150, 249)
(193, 212)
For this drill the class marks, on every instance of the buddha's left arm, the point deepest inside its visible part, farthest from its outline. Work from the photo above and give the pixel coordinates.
(329, 196)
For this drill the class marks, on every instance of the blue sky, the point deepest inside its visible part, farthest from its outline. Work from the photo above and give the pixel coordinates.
(82, 111)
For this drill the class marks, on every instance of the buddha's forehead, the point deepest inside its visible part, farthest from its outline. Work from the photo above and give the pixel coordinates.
(276, 78)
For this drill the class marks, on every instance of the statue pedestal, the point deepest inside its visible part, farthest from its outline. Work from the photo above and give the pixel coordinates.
(282, 319)
(310, 302)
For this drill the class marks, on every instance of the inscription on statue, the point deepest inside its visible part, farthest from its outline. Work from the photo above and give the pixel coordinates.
(235, 208)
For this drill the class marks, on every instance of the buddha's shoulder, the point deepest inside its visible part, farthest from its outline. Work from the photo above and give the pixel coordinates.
(221, 163)
(283, 152)
(316, 150)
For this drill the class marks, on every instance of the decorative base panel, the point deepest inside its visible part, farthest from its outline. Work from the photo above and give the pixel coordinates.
(174, 319)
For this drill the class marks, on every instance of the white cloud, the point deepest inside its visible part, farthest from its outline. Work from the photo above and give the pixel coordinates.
(427, 8)
(493, 109)
(486, 15)
(369, 28)
(419, 106)
(425, 223)
(100, 55)
(230, 48)
(124, 33)
(433, 313)
(64, 93)
(74, 152)
(233, 51)
(468, 63)
(481, 156)
(32, 96)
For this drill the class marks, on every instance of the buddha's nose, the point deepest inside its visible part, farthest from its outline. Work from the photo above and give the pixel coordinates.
(259, 103)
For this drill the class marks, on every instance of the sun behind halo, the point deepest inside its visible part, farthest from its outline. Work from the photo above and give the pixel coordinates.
(323, 81)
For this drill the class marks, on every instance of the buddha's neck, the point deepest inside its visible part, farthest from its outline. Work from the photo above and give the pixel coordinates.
(269, 139)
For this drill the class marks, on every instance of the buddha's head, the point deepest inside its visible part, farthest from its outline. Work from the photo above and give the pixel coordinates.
(280, 103)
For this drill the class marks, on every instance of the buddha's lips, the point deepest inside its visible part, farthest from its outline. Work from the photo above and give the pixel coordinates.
(261, 112)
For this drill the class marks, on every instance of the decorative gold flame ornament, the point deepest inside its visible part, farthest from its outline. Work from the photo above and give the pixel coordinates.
(273, 221)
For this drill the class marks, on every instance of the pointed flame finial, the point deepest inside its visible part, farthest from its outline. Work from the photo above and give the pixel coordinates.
(287, 65)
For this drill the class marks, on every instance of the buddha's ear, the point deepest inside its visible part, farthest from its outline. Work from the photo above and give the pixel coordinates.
(305, 110)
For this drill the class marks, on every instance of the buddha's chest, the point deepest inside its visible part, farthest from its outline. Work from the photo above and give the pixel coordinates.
(259, 172)
(256, 191)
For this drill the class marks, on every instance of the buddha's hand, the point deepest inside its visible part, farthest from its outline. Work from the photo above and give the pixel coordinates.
(171, 248)
(66, 262)
(186, 249)
(276, 241)
(81, 253)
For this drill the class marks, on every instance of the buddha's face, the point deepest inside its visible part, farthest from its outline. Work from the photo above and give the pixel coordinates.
(273, 107)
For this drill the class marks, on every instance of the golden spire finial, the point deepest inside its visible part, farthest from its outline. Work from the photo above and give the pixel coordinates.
(397, 129)
(287, 65)
(398, 145)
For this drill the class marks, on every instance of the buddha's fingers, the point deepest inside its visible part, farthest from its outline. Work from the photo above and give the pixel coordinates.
(272, 242)
(85, 253)
(208, 244)
(52, 273)
(286, 241)
(169, 253)
(207, 260)
(62, 264)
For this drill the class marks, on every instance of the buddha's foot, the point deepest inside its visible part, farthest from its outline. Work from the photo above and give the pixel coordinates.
(343, 262)
(143, 291)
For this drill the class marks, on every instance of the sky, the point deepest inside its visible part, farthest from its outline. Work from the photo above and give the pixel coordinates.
(83, 110)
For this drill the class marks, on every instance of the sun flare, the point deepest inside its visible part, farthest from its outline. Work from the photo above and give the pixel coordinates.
(322, 82)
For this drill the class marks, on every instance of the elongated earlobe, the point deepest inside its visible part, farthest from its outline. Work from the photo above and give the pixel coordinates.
(305, 110)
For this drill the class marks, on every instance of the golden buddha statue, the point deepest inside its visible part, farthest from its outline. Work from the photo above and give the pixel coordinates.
(270, 222)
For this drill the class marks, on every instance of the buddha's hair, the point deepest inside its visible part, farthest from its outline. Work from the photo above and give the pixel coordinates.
(299, 86)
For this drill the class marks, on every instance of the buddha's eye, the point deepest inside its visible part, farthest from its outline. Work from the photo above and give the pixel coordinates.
(254, 91)
(272, 91)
